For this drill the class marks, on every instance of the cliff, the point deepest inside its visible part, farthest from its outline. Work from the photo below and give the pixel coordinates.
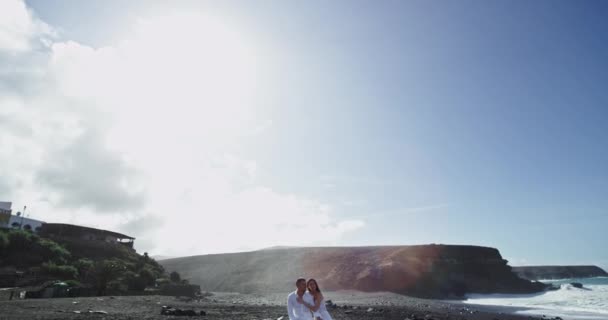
(425, 271)
(559, 272)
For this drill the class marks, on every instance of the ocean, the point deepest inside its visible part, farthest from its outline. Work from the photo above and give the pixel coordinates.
(590, 302)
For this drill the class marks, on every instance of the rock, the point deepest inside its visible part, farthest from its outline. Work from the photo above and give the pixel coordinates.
(577, 285)
(170, 311)
(370, 310)
(98, 312)
(167, 311)
(163, 310)
(280, 318)
(330, 304)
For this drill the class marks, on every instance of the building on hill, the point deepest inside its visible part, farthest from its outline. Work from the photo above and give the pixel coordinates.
(5, 213)
(85, 233)
(18, 221)
(5, 207)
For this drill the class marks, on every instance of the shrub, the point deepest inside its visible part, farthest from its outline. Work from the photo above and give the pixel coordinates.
(116, 286)
(61, 271)
(73, 283)
(134, 281)
(20, 240)
(106, 271)
(4, 242)
(51, 250)
(148, 276)
(175, 277)
(162, 281)
(84, 266)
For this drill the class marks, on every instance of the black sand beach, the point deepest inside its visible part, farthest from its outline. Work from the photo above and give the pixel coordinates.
(349, 305)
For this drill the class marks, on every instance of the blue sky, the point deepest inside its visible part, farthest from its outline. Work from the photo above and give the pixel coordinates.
(468, 122)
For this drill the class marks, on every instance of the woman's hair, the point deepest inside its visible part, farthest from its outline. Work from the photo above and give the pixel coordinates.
(315, 281)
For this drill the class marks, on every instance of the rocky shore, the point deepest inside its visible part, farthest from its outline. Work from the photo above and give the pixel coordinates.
(345, 305)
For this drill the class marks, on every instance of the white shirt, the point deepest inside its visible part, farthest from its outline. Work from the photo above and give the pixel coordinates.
(296, 310)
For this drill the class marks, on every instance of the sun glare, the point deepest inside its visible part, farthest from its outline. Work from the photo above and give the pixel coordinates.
(182, 76)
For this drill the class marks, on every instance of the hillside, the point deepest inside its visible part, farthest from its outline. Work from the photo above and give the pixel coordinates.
(559, 272)
(424, 271)
(98, 267)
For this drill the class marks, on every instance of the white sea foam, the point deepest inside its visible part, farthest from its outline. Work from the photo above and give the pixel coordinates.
(568, 302)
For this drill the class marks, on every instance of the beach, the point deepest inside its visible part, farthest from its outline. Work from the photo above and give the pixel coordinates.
(348, 305)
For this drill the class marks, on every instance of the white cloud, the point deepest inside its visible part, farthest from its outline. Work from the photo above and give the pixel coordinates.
(84, 174)
(139, 137)
(19, 30)
(253, 218)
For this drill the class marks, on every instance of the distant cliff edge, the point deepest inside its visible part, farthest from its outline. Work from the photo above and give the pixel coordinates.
(434, 271)
(559, 272)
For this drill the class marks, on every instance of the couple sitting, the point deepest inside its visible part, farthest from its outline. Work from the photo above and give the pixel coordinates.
(307, 305)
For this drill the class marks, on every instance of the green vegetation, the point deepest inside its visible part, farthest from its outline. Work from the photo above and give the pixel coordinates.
(60, 271)
(3, 243)
(105, 268)
(175, 277)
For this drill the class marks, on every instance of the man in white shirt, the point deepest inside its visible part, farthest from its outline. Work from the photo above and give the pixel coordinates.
(296, 310)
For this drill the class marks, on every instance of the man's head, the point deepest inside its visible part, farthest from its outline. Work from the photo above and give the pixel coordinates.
(301, 284)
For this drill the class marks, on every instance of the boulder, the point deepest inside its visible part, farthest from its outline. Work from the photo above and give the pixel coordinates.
(170, 311)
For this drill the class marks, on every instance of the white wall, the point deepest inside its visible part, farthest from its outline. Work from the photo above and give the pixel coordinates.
(16, 222)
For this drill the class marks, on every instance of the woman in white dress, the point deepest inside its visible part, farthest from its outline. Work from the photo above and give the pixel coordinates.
(319, 309)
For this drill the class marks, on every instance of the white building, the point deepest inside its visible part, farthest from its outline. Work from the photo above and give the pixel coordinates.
(5, 207)
(8, 220)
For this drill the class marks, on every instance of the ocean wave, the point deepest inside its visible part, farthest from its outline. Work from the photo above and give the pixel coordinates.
(567, 300)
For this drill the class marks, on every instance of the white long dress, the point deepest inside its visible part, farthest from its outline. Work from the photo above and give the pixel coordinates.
(322, 312)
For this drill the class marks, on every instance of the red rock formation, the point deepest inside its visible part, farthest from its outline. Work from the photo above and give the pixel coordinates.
(426, 271)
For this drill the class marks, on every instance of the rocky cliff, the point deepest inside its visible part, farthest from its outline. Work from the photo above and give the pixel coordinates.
(559, 272)
(425, 271)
